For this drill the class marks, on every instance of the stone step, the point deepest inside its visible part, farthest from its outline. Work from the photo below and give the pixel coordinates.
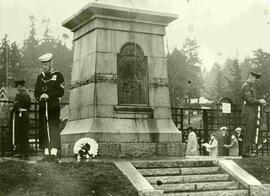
(212, 193)
(178, 171)
(202, 186)
(172, 164)
(188, 178)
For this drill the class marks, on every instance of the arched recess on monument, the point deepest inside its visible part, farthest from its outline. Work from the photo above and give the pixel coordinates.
(132, 75)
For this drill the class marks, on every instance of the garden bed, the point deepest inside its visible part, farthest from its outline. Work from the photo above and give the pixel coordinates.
(67, 178)
(259, 167)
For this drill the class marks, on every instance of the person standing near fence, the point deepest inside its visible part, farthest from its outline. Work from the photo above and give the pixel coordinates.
(239, 136)
(250, 110)
(22, 103)
(223, 139)
(48, 91)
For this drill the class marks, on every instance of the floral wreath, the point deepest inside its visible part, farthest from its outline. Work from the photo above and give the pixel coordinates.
(85, 149)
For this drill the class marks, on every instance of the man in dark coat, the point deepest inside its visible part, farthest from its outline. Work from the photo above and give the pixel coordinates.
(48, 91)
(22, 103)
(250, 110)
(223, 139)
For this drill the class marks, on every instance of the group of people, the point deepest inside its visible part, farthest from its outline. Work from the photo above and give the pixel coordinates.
(240, 144)
(222, 145)
(48, 91)
(50, 88)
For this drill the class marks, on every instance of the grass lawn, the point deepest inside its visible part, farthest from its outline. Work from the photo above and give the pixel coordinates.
(67, 179)
(258, 167)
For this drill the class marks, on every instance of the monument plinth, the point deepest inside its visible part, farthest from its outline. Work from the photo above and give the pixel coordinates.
(119, 87)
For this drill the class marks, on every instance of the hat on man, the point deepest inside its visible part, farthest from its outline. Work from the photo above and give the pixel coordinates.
(214, 134)
(238, 129)
(19, 82)
(46, 57)
(255, 72)
(223, 128)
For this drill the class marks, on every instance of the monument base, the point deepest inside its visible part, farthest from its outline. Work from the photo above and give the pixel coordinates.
(125, 137)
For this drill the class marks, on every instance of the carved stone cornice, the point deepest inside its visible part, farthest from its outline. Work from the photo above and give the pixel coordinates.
(112, 78)
(95, 78)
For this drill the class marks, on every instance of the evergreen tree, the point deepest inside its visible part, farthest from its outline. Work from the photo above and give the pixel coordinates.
(30, 55)
(219, 90)
(184, 71)
(262, 60)
(4, 60)
(235, 83)
(215, 84)
(177, 69)
(245, 67)
(210, 79)
(15, 62)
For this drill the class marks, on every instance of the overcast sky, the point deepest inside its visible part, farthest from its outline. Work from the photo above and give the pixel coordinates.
(223, 28)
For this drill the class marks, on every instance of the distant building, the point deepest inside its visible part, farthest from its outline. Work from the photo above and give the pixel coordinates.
(3, 94)
(200, 101)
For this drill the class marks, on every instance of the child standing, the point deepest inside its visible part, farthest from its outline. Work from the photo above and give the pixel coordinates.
(212, 146)
(234, 149)
(239, 137)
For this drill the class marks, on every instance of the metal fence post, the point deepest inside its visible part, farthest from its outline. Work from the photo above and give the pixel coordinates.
(36, 128)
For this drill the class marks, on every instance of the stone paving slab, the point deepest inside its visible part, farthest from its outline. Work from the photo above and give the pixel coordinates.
(200, 170)
(198, 186)
(189, 178)
(178, 171)
(212, 193)
(172, 163)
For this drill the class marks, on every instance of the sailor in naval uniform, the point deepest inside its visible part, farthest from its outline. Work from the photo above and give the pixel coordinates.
(22, 103)
(48, 91)
(250, 110)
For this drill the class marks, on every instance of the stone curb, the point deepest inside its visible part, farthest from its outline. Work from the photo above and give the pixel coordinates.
(143, 187)
(247, 180)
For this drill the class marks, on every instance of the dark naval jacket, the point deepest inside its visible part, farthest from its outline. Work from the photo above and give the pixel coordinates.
(21, 107)
(22, 101)
(51, 83)
(250, 102)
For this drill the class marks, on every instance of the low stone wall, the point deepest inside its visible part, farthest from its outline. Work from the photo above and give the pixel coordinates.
(266, 189)
(133, 149)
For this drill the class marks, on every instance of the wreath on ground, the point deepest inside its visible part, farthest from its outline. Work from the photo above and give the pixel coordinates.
(85, 149)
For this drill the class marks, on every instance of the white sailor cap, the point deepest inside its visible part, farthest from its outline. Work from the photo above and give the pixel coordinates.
(223, 128)
(46, 57)
(238, 129)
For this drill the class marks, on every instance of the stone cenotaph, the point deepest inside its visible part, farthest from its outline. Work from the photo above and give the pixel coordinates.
(119, 86)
